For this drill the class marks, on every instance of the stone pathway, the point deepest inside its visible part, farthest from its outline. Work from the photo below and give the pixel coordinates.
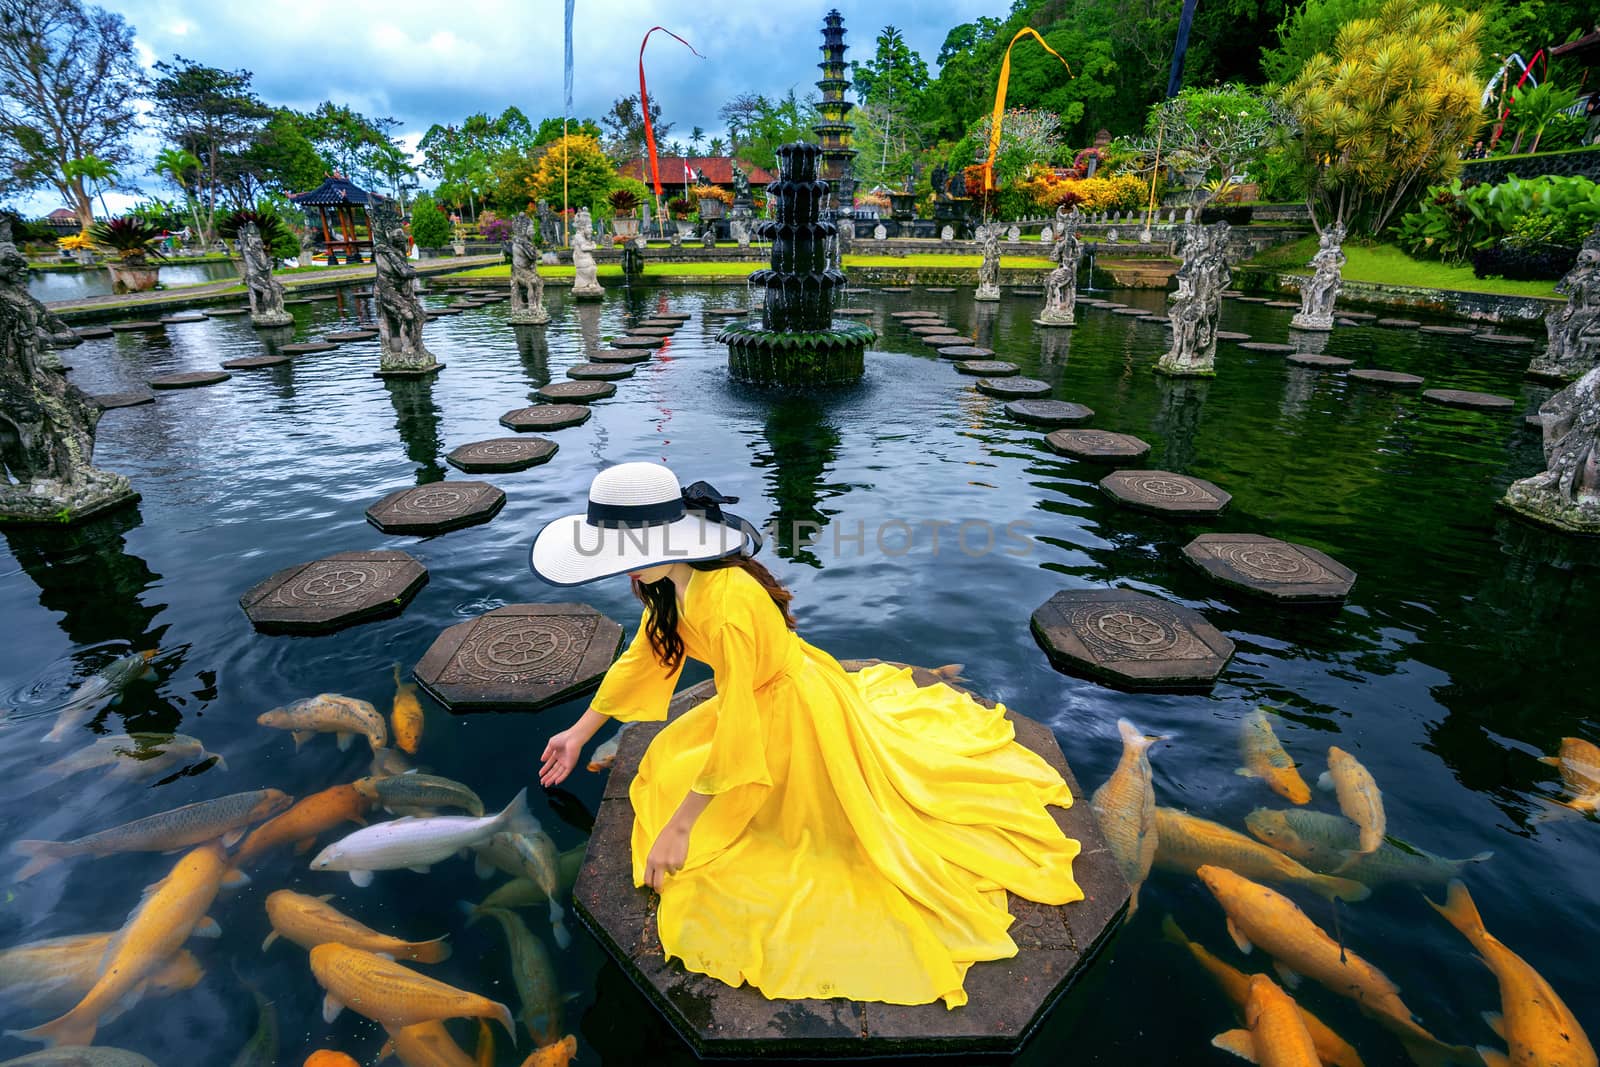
(521, 657)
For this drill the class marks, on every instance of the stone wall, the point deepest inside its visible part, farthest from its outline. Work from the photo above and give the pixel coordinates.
(1584, 162)
(1456, 303)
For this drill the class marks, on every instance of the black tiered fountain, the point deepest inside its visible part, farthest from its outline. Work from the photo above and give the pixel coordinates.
(797, 343)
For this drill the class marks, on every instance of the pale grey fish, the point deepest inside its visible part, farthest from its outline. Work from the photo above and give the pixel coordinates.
(389, 761)
(1326, 842)
(533, 974)
(102, 688)
(226, 818)
(523, 892)
(135, 756)
(416, 794)
(329, 713)
(542, 864)
(415, 843)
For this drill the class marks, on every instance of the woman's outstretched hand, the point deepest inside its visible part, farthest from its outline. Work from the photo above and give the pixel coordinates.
(667, 855)
(560, 757)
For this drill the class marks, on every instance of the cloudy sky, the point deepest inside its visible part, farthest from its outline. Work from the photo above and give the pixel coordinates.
(425, 62)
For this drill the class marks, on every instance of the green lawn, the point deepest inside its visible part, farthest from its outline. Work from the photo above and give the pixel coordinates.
(932, 259)
(743, 267)
(1388, 265)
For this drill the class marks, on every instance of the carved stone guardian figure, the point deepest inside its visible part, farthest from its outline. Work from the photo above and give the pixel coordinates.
(1060, 289)
(266, 292)
(1320, 291)
(399, 310)
(1197, 303)
(989, 269)
(1574, 331)
(1566, 494)
(585, 279)
(46, 423)
(527, 288)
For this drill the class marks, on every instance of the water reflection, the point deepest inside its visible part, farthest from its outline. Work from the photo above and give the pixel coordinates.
(802, 442)
(1054, 346)
(418, 418)
(588, 327)
(533, 351)
(86, 574)
(1178, 418)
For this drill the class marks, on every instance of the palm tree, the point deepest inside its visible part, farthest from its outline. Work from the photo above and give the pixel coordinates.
(717, 146)
(96, 171)
(175, 165)
(696, 135)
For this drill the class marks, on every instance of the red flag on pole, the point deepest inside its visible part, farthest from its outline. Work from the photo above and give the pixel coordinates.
(644, 103)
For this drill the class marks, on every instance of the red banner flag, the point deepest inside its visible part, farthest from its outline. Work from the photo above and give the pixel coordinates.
(644, 102)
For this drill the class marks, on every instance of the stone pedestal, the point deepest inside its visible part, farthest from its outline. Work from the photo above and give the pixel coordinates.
(1567, 494)
(397, 307)
(1197, 303)
(1320, 291)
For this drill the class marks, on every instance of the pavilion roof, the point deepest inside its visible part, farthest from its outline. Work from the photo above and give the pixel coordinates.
(718, 169)
(334, 191)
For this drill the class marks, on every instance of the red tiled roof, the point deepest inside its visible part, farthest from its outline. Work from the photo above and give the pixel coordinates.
(718, 169)
(62, 213)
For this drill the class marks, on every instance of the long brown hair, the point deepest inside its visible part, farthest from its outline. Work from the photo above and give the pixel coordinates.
(662, 599)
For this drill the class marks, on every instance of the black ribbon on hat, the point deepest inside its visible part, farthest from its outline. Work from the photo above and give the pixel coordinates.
(703, 497)
(698, 496)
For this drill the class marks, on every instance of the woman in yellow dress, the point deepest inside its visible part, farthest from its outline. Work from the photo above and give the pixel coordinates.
(813, 832)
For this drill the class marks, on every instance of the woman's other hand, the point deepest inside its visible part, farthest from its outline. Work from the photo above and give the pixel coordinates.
(667, 856)
(560, 757)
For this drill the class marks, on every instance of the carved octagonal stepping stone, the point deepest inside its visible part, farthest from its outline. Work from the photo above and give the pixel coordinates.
(1506, 339)
(1448, 331)
(603, 372)
(727, 312)
(439, 313)
(938, 289)
(1359, 316)
(998, 367)
(501, 454)
(622, 355)
(1140, 312)
(225, 313)
(436, 507)
(1253, 300)
(1268, 567)
(1283, 304)
(948, 340)
(638, 342)
(1049, 412)
(1165, 493)
(965, 352)
(545, 417)
(652, 331)
(188, 316)
(1010, 388)
(188, 380)
(1400, 324)
(350, 335)
(858, 313)
(1392, 378)
(930, 329)
(335, 592)
(681, 316)
(895, 289)
(89, 333)
(255, 362)
(579, 392)
(1266, 346)
(914, 314)
(658, 324)
(109, 401)
(855, 291)
(1312, 359)
(297, 301)
(1466, 398)
(1014, 292)
(1097, 446)
(1130, 639)
(303, 348)
(521, 657)
(1232, 335)
(136, 326)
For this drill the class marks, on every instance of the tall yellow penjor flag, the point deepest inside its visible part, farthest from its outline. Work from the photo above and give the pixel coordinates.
(1000, 100)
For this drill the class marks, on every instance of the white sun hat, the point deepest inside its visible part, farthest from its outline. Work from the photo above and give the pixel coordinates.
(639, 517)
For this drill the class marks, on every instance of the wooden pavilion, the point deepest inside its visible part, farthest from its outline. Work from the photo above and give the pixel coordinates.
(340, 196)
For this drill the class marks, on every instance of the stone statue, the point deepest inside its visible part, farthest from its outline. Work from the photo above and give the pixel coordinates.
(947, 233)
(741, 183)
(1061, 288)
(1567, 494)
(1574, 331)
(740, 229)
(1322, 288)
(958, 185)
(527, 288)
(880, 232)
(399, 311)
(1014, 233)
(46, 423)
(989, 269)
(266, 292)
(708, 237)
(1196, 304)
(585, 280)
(549, 226)
(1047, 236)
(940, 178)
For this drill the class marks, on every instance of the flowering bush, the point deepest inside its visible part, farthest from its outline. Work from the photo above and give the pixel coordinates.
(492, 227)
(711, 192)
(76, 243)
(877, 200)
(1047, 190)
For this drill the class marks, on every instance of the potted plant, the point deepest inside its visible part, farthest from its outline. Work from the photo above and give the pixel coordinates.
(137, 253)
(713, 201)
(624, 222)
(679, 208)
(75, 246)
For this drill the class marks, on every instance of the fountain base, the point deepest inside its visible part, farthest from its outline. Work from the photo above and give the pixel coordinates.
(835, 356)
(52, 502)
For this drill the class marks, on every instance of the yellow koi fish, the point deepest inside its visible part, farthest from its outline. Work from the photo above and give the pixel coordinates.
(1265, 758)
(559, 1054)
(1125, 807)
(1579, 763)
(1185, 843)
(1277, 1034)
(312, 921)
(48, 977)
(301, 824)
(406, 715)
(426, 1044)
(394, 996)
(1359, 797)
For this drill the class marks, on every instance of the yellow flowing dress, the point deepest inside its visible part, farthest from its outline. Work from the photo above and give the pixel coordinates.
(862, 832)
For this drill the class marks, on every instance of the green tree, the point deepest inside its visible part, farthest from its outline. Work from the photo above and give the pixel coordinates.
(180, 167)
(890, 87)
(717, 146)
(524, 178)
(68, 81)
(98, 173)
(555, 128)
(1386, 113)
(757, 125)
(430, 227)
(281, 159)
(210, 113)
(1309, 29)
(624, 125)
(460, 156)
(1220, 131)
(361, 148)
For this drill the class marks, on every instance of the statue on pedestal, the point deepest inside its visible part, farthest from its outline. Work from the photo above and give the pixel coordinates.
(266, 292)
(585, 280)
(708, 236)
(1317, 296)
(399, 310)
(549, 226)
(1197, 303)
(1574, 331)
(46, 423)
(1061, 288)
(527, 288)
(940, 179)
(1567, 494)
(989, 269)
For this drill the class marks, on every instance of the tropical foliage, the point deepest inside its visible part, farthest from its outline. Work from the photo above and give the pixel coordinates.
(132, 240)
(1220, 132)
(430, 227)
(589, 176)
(1454, 221)
(1045, 191)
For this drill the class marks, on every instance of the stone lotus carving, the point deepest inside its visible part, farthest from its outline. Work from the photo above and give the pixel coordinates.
(1320, 291)
(1566, 494)
(1197, 303)
(527, 288)
(1574, 330)
(399, 310)
(266, 292)
(46, 423)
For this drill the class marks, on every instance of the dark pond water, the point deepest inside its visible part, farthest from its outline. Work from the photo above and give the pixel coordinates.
(1465, 652)
(48, 285)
